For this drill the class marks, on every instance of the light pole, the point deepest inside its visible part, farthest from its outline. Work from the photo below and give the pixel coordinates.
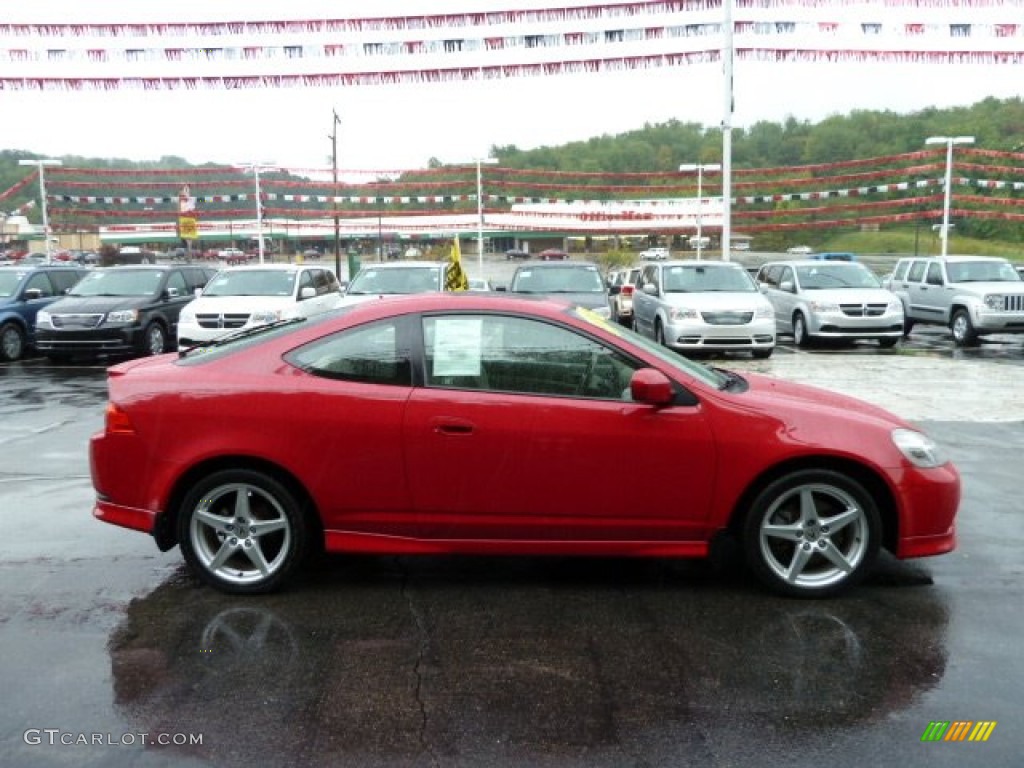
(259, 201)
(41, 163)
(480, 209)
(949, 141)
(700, 168)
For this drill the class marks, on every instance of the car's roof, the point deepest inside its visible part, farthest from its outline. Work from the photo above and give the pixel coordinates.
(699, 263)
(401, 264)
(272, 267)
(819, 263)
(557, 265)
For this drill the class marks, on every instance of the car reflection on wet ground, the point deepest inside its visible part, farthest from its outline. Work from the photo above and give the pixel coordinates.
(443, 661)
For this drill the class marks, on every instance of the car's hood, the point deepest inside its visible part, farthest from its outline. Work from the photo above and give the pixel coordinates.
(238, 303)
(718, 300)
(75, 305)
(362, 298)
(772, 395)
(588, 299)
(851, 295)
(995, 286)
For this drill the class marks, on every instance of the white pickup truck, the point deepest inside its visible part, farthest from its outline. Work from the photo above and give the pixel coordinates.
(971, 295)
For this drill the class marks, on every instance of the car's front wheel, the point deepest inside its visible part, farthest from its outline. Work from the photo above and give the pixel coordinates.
(762, 354)
(963, 329)
(155, 339)
(12, 342)
(800, 336)
(242, 531)
(812, 533)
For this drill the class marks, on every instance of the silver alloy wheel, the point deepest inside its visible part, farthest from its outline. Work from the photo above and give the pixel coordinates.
(814, 536)
(156, 340)
(240, 534)
(12, 342)
(963, 331)
(799, 330)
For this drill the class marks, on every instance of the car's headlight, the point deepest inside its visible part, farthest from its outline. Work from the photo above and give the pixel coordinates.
(123, 316)
(675, 314)
(43, 318)
(823, 306)
(994, 301)
(265, 316)
(920, 450)
(764, 312)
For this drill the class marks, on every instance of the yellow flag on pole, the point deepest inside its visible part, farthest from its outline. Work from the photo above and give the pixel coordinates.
(456, 279)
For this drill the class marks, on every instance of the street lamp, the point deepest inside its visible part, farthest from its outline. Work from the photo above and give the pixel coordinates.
(949, 141)
(259, 201)
(480, 209)
(42, 193)
(700, 168)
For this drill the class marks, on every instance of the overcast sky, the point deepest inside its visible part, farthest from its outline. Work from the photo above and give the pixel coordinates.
(404, 126)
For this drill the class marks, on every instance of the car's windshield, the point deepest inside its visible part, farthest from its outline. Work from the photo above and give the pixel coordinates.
(688, 279)
(982, 272)
(836, 275)
(9, 280)
(396, 280)
(567, 279)
(120, 282)
(252, 282)
(674, 359)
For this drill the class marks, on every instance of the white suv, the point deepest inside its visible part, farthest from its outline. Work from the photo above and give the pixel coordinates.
(655, 254)
(238, 298)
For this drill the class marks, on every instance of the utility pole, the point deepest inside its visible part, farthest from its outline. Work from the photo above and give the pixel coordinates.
(337, 231)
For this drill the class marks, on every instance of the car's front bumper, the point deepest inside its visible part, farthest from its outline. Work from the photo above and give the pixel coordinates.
(839, 325)
(698, 335)
(115, 340)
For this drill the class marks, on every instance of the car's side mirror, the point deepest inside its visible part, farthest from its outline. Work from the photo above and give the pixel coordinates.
(787, 286)
(33, 293)
(307, 292)
(651, 386)
(614, 290)
(651, 289)
(172, 293)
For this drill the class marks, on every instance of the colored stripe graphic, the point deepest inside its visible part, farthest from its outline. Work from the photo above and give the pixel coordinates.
(959, 730)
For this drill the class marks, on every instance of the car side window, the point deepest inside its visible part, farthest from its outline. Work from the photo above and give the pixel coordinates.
(786, 275)
(916, 272)
(934, 274)
(40, 282)
(176, 282)
(321, 282)
(499, 353)
(371, 354)
(65, 280)
(649, 275)
(305, 281)
(901, 270)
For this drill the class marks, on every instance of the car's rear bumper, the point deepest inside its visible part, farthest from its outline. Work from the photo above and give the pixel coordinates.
(127, 517)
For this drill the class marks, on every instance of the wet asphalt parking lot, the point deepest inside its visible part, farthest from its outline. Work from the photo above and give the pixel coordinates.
(435, 661)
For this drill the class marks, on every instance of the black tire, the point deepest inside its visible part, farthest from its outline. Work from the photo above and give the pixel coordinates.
(908, 324)
(812, 533)
(659, 333)
(242, 531)
(800, 336)
(887, 343)
(154, 339)
(762, 354)
(962, 329)
(12, 342)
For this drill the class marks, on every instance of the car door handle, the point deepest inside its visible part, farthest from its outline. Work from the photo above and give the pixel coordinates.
(452, 427)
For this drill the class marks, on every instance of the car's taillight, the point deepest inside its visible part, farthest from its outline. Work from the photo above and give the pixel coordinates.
(118, 421)
(627, 290)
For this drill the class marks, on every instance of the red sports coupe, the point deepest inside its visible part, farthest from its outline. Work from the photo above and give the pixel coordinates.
(432, 423)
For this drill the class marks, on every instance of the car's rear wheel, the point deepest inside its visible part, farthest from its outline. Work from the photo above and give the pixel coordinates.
(12, 342)
(800, 336)
(242, 531)
(812, 533)
(155, 339)
(963, 329)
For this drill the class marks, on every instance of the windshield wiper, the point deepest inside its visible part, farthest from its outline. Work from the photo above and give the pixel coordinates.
(733, 381)
(236, 335)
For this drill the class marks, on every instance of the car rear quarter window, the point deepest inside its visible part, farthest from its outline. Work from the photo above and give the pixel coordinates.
(371, 354)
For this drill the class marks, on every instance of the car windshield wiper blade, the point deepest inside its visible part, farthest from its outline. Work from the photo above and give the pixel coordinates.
(236, 335)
